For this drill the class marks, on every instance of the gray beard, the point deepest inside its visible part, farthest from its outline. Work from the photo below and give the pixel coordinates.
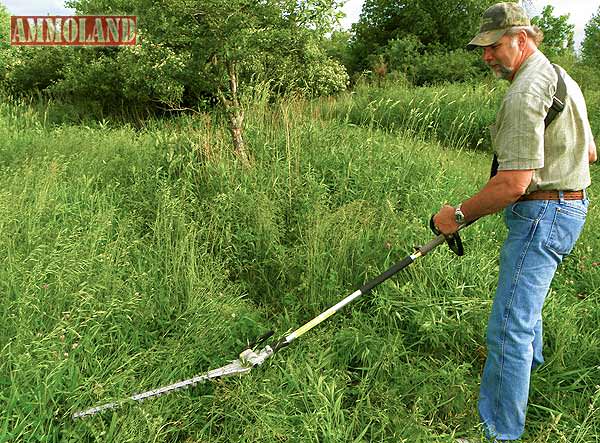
(503, 73)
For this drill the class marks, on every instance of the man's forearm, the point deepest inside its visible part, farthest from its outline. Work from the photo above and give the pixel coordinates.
(500, 191)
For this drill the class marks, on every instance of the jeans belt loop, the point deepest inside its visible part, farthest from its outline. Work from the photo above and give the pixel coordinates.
(561, 197)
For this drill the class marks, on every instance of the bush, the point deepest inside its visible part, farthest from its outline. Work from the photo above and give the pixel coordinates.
(310, 73)
(35, 69)
(433, 65)
(404, 55)
(449, 67)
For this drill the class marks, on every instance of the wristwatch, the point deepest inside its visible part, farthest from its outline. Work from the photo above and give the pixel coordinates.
(459, 217)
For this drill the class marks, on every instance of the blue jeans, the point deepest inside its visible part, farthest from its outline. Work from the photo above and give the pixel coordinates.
(540, 234)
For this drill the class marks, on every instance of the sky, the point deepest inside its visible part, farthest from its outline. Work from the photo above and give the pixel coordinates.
(580, 10)
(36, 7)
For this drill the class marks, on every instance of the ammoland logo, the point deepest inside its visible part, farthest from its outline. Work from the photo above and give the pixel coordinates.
(80, 30)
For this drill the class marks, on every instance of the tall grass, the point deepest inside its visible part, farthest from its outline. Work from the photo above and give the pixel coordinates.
(134, 258)
(456, 115)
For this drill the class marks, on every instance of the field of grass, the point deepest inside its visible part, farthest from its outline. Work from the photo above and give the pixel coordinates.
(134, 258)
(456, 115)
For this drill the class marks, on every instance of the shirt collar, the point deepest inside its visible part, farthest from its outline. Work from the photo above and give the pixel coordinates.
(530, 62)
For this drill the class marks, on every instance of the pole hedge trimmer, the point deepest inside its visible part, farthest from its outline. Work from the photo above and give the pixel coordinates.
(251, 357)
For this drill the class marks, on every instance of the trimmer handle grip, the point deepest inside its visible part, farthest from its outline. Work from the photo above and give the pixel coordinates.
(454, 241)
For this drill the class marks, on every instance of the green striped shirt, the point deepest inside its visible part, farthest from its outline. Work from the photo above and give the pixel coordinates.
(559, 154)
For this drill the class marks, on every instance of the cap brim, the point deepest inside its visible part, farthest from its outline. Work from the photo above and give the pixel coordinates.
(486, 38)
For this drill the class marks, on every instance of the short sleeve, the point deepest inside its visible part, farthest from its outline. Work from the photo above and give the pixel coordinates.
(519, 138)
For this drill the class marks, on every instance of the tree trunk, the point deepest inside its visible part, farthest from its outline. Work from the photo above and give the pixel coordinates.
(235, 129)
(235, 115)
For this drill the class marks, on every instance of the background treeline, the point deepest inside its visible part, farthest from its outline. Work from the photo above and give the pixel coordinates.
(190, 51)
(223, 56)
(426, 40)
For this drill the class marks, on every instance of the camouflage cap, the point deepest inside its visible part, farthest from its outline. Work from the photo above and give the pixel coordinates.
(496, 20)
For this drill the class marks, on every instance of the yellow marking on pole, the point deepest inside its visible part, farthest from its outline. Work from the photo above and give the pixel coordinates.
(314, 322)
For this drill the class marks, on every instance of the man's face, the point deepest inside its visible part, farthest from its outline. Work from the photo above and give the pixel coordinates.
(502, 57)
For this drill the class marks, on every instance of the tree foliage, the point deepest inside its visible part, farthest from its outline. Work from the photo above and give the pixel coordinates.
(337, 46)
(6, 55)
(257, 37)
(591, 44)
(447, 24)
(191, 52)
(558, 32)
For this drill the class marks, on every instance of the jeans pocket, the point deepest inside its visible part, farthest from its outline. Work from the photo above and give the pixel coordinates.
(575, 207)
(566, 227)
(528, 210)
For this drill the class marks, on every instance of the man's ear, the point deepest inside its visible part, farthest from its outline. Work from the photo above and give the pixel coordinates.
(522, 40)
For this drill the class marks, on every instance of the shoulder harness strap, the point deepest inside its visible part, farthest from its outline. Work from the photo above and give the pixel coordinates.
(558, 101)
(558, 104)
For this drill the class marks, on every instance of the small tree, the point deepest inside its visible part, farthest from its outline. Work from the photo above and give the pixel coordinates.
(404, 55)
(236, 36)
(216, 49)
(558, 33)
(590, 47)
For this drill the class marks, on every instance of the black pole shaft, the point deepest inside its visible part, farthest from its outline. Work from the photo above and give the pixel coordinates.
(423, 250)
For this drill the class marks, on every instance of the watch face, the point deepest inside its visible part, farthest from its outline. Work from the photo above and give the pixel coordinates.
(459, 216)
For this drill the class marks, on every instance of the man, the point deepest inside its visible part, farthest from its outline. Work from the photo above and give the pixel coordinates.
(540, 184)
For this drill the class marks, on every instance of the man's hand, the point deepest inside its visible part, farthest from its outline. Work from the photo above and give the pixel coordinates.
(501, 190)
(593, 156)
(444, 220)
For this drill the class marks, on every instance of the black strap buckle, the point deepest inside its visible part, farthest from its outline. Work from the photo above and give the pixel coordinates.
(557, 104)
